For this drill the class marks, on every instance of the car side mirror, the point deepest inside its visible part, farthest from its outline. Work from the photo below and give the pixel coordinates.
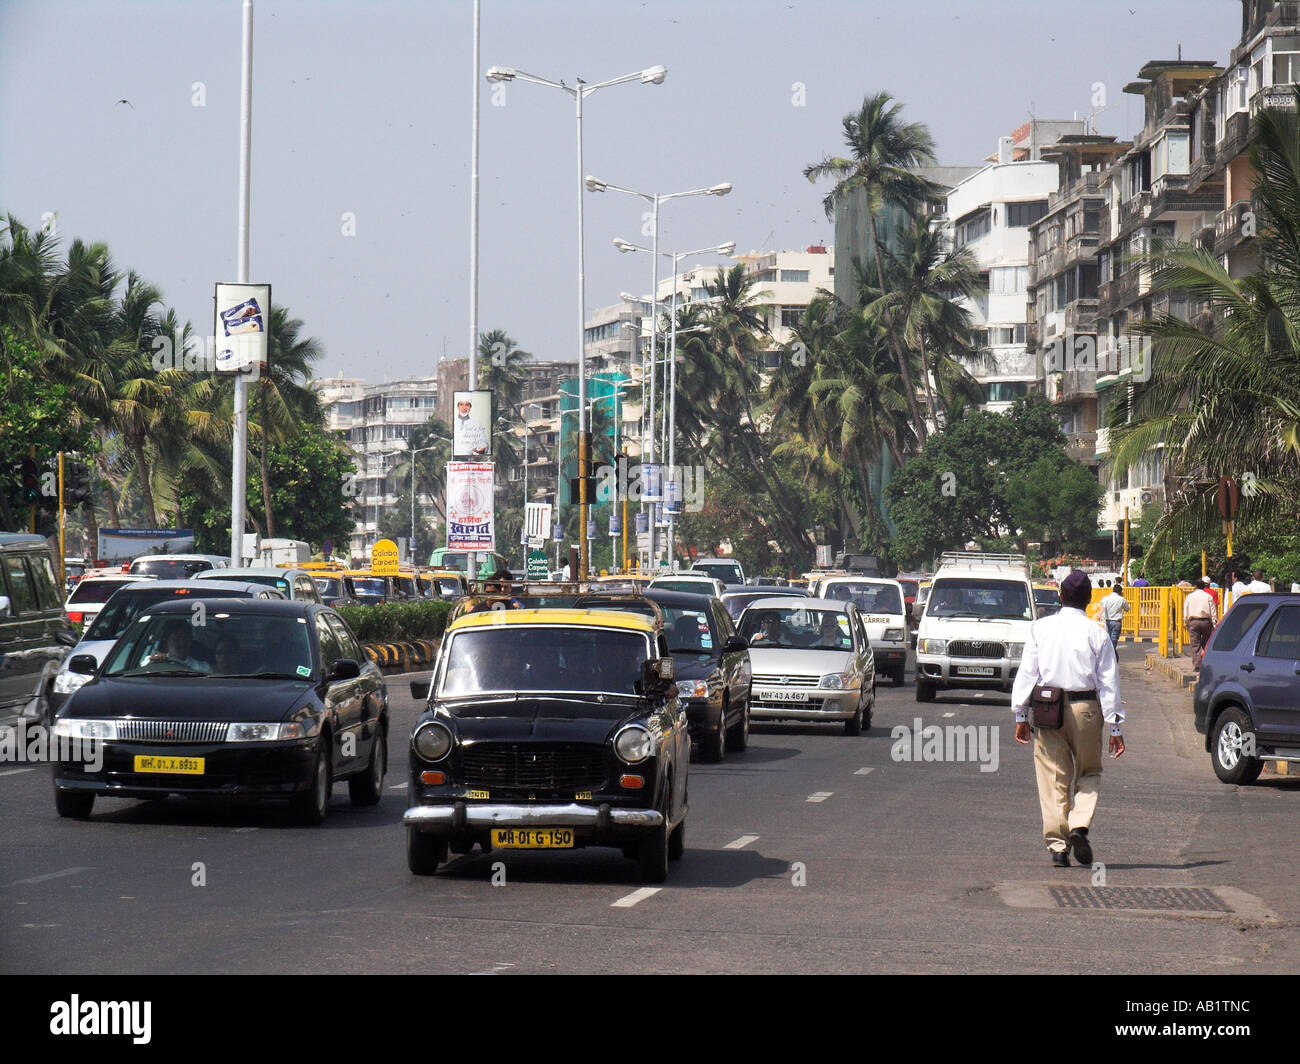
(84, 664)
(345, 669)
(420, 690)
(657, 676)
(734, 645)
(66, 637)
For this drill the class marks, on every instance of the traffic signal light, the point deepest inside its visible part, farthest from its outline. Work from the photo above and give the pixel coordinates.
(77, 483)
(29, 481)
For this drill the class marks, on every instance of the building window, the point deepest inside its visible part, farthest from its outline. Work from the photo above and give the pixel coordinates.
(790, 317)
(1005, 391)
(1286, 68)
(1008, 280)
(1022, 214)
(798, 276)
(974, 227)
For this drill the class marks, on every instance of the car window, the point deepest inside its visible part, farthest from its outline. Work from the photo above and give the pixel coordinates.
(125, 607)
(22, 596)
(689, 631)
(347, 641)
(330, 649)
(979, 597)
(1235, 625)
(45, 582)
(1281, 635)
(93, 591)
(796, 628)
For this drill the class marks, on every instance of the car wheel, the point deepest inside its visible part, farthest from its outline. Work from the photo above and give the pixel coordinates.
(368, 788)
(925, 691)
(900, 677)
(73, 804)
(653, 852)
(715, 746)
(738, 737)
(853, 726)
(677, 842)
(309, 808)
(424, 853)
(1232, 731)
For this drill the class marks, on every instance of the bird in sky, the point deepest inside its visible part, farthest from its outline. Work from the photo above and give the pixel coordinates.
(127, 102)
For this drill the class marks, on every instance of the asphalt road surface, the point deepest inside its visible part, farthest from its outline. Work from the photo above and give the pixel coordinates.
(811, 852)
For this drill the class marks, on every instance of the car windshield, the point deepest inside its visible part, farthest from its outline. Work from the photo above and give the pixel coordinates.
(328, 586)
(979, 597)
(1046, 596)
(699, 586)
(277, 582)
(126, 606)
(727, 572)
(736, 603)
(406, 586)
(796, 628)
(689, 631)
(868, 597)
(369, 587)
(223, 644)
(169, 568)
(91, 591)
(544, 658)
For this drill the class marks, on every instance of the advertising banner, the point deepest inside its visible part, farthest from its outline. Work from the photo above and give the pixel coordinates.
(242, 319)
(118, 545)
(471, 425)
(470, 508)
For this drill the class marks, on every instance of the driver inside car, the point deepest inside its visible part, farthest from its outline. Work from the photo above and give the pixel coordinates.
(178, 645)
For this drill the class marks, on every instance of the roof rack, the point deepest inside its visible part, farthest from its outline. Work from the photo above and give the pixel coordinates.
(964, 557)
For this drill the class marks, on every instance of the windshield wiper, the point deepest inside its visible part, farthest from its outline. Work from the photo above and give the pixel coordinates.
(161, 672)
(262, 676)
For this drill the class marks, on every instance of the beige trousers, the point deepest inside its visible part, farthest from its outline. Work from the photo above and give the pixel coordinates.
(1067, 761)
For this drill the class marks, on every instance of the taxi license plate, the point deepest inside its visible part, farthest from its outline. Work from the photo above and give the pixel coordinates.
(174, 766)
(532, 838)
(976, 670)
(783, 696)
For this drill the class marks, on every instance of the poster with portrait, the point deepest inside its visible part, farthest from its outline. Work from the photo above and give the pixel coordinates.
(471, 425)
(470, 508)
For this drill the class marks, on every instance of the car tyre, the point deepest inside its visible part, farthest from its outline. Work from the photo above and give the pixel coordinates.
(853, 726)
(73, 804)
(309, 808)
(1230, 764)
(652, 855)
(738, 736)
(677, 842)
(715, 746)
(925, 692)
(368, 788)
(424, 852)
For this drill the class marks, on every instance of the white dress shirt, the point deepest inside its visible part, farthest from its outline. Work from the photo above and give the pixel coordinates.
(1258, 586)
(1200, 603)
(1070, 651)
(1113, 607)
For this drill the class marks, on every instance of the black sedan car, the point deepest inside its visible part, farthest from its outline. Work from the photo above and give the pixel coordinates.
(226, 698)
(711, 664)
(549, 729)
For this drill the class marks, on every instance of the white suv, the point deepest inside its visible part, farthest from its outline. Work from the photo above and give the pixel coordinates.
(975, 625)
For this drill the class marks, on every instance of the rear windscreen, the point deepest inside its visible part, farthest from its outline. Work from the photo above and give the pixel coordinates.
(92, 591)
(169, 568)
(122, 609)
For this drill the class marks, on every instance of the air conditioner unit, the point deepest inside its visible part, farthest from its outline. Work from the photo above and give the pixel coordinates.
(1148, 497)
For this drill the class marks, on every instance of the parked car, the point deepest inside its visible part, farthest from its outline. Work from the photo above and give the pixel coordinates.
(295, 584)
(1247, 697)
(176, 566)
(125, 605)
(549, 729)
(710, 660)
(265, 700)
(810, 660)
(34, 630)
(1047, 599)
(90, 594)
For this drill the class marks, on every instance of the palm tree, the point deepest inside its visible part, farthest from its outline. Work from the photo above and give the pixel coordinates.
(884, 153)
(501, 369)
(430, 466)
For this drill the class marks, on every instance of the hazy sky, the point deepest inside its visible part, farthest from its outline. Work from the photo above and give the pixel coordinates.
(364, 107)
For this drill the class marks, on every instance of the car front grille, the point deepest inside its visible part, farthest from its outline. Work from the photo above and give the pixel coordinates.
(783, 680)
(172, 731)
(974, 648)
(529, 766)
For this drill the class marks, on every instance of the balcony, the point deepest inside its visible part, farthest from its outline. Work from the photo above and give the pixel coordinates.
(1081, 446)
(1134, 210)
(1229, 226)
(1078, 384)
(1170, 195)
(1203, 170)
(1081, 316)
(1124, 291)
(1236, 135)
(1083, 185)
(1273, 98)
(1082, 247)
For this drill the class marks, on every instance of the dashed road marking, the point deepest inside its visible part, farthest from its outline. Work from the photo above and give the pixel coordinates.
(820, 796)
(740, 843)
(636, 896)
(15, 771)
(950, 714)
(496, 969)
(864, 772)
(50, 875)
(238, 830)
(396, 787)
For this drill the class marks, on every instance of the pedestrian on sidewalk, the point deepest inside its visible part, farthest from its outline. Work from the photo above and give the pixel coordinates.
(1201, 615)
(1068, 651)
(1113, 608)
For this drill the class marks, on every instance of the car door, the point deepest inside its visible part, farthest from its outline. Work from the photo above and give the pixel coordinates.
(374, 694)
(864, 660)
(735, 665)
(1274, 683)
(343, 702)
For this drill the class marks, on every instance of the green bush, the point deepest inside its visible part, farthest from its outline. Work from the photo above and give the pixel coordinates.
(397, 622)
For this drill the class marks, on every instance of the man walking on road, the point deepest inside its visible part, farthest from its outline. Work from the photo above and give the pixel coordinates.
(1068, 651)
(1113, 608)
(1201, 614)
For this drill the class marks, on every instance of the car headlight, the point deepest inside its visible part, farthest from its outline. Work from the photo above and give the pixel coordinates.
(1015, 650)
(836, 681)
(893, 635)
(263, 733)
(78, 728)
(933, 646)
(692, 689)
(432, 741)
(634, 744)
(66, 682)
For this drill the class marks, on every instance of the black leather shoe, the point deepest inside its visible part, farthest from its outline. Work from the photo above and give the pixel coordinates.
(1061, 859)
(1081, 847)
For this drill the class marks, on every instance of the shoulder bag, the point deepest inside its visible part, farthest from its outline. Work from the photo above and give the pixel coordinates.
(1048, 706)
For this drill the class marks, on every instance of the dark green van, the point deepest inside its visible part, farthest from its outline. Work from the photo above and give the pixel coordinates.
(34, 630)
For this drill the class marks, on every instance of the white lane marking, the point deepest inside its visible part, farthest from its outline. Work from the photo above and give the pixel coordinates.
(740, 843)
(864, 772)
(396, 787)
(15, 771)
(496, 969)
(950, 714)
(820, 796)
(636, 896)
(237, 830)
(49, 875)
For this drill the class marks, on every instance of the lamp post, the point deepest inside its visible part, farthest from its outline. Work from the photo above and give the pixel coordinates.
(671, 420)
(580, 91)
(418, 450)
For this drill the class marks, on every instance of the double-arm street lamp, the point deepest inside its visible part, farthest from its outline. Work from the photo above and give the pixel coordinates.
(580, 90)
(417, 451)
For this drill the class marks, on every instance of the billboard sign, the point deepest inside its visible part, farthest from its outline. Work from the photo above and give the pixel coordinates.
(470, 509)
(243, 318)
(471, 425)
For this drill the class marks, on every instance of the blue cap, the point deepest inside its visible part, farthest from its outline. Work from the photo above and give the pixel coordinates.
(1075, 583)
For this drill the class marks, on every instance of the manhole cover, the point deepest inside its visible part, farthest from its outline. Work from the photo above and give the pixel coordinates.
(1180, 899)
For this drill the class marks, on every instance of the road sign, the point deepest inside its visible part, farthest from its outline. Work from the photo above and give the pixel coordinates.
(538, 566)
(383, 558)
(1227, 498)
(537, 519)
(536, 543)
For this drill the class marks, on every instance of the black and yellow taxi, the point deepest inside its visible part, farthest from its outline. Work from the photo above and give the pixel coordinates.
(549, 729)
